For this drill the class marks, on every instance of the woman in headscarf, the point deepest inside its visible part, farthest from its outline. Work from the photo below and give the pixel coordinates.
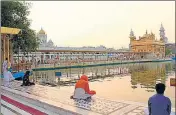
(82, 90)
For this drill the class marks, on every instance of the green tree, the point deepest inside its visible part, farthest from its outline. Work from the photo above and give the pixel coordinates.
(168, 51)
(14, 14)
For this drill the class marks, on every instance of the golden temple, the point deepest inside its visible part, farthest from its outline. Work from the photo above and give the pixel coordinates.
(147, 43)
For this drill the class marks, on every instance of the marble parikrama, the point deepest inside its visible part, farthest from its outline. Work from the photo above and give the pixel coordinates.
(60, 103)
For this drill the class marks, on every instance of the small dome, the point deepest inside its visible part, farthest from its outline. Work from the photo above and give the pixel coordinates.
(42, 31)
(50, 41)
(131, 33)
(162, 28)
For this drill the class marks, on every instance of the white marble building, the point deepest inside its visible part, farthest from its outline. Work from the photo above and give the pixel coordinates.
(49, 45)
(48, 50)
(44, 43)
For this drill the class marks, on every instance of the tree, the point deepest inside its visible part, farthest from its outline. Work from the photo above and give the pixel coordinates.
(14, 14)
(168, 51)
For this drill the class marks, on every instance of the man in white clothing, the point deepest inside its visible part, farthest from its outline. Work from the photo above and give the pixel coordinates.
(7, 78)
(5, 65)
(7, 74)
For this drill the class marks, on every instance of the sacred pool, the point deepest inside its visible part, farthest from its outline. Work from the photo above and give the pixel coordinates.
(122, 89)
(132, 82)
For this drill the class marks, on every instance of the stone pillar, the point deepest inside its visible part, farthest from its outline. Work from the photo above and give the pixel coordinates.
(4, 48)
(10, 52)
(42, 56)
(7, 52)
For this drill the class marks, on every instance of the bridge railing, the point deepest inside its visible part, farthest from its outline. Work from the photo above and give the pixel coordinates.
(21, 66)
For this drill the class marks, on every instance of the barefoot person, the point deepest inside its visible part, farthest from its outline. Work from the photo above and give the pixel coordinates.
(82, 90)
(159, 104)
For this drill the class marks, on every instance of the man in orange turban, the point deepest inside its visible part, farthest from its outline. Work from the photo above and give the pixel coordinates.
(82, 90)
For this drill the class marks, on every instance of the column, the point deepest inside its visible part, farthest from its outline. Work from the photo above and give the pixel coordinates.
(44, 56)
(49, 56)
(7, 53)
(10, 52)
(4, 48)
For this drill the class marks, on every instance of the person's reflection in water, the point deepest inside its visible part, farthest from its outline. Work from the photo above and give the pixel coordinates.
(82, 90)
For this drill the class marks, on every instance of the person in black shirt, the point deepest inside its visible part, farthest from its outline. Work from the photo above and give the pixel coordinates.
(26, 81)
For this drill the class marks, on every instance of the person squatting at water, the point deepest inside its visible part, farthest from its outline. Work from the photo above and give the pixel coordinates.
(26, 81)
(159, 104)
(82, 90)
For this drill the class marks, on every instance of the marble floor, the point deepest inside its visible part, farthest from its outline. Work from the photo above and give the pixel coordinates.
(96, 104)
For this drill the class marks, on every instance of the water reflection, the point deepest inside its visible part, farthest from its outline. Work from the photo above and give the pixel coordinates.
(147, 75)
(122, 82)
(143, 75)
(72, 74)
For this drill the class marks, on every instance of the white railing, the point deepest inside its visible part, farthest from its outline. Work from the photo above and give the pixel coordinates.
(91, 62)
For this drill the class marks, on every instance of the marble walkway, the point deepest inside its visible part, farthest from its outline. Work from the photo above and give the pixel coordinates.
(97, 106)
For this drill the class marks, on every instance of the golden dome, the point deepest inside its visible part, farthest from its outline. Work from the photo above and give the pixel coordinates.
(42, 31)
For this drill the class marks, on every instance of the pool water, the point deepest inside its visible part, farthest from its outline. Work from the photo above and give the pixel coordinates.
(129, 82)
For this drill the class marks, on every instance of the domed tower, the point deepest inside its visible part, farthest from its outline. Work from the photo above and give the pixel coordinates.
(162, 34)
(132, 38)
(50, 43)
(42, 37)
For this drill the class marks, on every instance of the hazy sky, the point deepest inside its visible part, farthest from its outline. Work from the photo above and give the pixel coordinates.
(108, 23)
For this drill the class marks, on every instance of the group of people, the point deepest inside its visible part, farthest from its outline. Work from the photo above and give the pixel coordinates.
(9, 77)
(158, 104)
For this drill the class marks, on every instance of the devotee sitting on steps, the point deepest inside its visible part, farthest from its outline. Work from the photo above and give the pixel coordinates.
(7, 77)
(82, 90)
(7, 74)
(5, 65)
(26, 81)
(159, 104)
